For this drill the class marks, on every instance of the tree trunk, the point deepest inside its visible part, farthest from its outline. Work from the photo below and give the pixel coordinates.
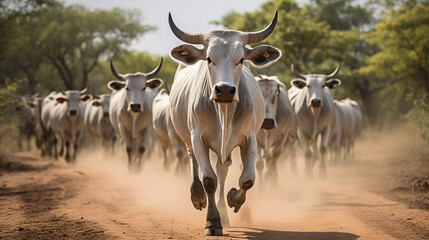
(368, 102)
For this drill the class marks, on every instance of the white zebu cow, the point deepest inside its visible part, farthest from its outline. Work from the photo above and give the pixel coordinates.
(352, 125)
(97, 122)
(165, 131)
(131, 110)
(66, 120)
(49, 137)
(216, 103)
(279, 120)
(337, 123)
(26, 110)
(347, 120)
(35, 104)
(313, 104)
(358, 123)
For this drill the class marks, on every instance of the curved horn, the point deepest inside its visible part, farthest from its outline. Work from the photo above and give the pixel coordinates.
(155, 71)
(259, 36)
(83, 91)
(166, 88)
(333, 73)
(115, 73)
(298, 74)
(194, 38)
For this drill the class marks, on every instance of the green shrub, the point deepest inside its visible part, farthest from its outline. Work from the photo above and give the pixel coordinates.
(419, 114)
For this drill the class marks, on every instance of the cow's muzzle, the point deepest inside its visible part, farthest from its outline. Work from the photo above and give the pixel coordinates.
(269, 123)
(223, 93)
(73, 112)
(135, 107)
(316, 102)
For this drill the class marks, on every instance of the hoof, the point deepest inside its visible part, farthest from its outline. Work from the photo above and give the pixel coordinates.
(213, 228)
(232, 202)
(198, 196)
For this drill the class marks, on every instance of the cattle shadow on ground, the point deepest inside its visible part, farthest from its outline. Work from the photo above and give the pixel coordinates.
(257, 233)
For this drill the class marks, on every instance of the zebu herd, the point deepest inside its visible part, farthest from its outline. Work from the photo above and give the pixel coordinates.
(216, 104)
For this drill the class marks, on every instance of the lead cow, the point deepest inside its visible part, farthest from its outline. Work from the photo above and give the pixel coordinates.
(216, 103)
(130, 110)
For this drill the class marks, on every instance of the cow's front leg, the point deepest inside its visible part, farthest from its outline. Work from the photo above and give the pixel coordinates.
(323, 149)
(291, 151)
(201, 152)
(75, 145)
(198, 196)
(235, 197)
(65, 140)
(308, 159)
(54, 146)
(222, 172)
(128, 144)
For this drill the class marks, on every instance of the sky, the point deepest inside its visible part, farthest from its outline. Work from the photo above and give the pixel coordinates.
(189, 15)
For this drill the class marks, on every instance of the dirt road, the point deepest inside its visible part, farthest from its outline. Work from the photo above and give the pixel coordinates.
(98, 199)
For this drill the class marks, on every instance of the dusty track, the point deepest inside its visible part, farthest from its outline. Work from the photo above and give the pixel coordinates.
(98, 199)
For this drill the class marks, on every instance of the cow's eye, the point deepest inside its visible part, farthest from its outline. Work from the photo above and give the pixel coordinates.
(143, 88)
(308, 86)
(209, 60)
(242, 61)
(127, 89)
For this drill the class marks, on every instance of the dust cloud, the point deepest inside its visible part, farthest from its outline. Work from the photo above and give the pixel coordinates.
(296, 197)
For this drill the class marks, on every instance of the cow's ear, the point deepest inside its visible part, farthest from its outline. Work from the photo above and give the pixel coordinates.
(96, 103)
(154, 83)
(262, 55)
(61, 99)
(187, 54)
(116, 85)
(31, 105)
(298, 82)
(85, 97)
(333, 83)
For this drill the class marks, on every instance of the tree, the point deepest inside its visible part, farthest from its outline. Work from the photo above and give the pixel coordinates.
(340, 14)
(73, 39)
(403, 37)
(14, 16)
(297, 34)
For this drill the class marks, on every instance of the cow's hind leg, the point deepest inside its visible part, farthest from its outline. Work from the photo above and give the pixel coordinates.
(235, 197)
(222, 172)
